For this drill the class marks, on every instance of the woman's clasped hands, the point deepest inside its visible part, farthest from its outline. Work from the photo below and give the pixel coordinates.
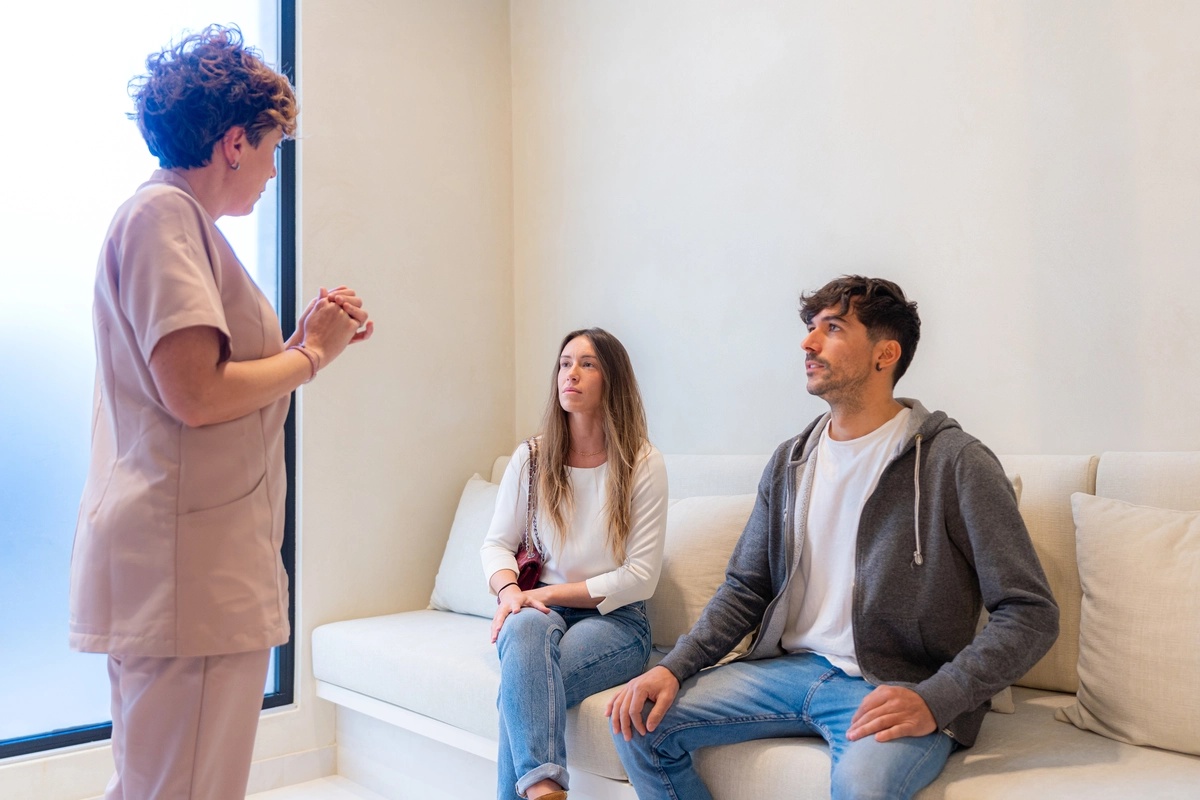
(510, 601)
(334, 320)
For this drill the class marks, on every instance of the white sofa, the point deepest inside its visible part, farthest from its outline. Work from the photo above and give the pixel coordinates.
(416, 690)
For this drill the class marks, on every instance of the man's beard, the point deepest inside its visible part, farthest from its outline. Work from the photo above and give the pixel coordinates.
(846, 392)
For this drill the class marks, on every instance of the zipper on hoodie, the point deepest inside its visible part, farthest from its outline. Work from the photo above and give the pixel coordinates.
(789, 481)
(791, 473)
(918, 559)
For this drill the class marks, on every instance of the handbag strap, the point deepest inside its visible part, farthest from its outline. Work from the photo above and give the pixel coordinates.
(531, 537)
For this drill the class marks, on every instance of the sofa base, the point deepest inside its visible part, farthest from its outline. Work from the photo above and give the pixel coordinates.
(407, 720)
(401, 755)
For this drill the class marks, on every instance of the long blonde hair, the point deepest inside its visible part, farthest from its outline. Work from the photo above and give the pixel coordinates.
(624, 438)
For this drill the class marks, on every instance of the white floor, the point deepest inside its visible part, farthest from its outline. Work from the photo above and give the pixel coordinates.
(332, 788)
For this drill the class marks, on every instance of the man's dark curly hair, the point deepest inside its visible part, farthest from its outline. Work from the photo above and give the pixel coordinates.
(193, 92)
(880, 306)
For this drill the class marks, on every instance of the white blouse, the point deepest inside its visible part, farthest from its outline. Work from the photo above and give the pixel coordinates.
(583, 554)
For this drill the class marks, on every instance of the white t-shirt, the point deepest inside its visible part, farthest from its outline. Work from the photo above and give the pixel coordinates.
(583, 554)
(819, 602)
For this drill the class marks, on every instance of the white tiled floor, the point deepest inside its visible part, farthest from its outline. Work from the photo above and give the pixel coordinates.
(332, 788)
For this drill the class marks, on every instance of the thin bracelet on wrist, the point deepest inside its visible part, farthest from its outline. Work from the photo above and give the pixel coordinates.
(505, 586)
(314, 361)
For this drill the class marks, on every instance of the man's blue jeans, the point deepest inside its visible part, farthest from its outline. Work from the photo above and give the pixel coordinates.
(800, 694)
(549, 663)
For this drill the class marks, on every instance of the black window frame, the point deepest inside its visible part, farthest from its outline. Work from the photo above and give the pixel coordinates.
(285, 654)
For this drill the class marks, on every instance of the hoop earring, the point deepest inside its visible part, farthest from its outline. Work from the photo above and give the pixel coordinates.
(235, 167)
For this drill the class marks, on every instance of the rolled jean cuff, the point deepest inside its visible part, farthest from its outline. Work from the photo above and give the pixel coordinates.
(545, 772)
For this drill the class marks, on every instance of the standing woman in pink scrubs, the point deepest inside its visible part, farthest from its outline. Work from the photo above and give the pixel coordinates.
(176, 572)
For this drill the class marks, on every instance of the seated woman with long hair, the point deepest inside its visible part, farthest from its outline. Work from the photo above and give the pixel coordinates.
(599, 517)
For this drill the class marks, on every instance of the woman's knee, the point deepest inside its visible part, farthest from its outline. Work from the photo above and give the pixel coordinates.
(527, 627)
(603, 655)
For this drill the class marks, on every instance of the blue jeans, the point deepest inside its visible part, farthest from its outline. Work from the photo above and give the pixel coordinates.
(549, 663)
(800, 694)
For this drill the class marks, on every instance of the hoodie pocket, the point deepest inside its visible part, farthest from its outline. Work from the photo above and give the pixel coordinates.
(899, 639)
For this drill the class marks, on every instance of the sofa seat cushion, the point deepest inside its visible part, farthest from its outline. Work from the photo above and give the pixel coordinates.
(1025, 754)
(441, 665)
(1031, 754)
(589, 737)
(436, 663)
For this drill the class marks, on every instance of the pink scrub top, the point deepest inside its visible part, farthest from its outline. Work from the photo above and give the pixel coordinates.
(177, 548)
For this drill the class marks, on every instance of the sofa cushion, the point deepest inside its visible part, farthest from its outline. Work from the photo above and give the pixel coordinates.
(702, 476)
(1139, 638)
(1162, 480)
(442, 665)
(1029, 754)
(1026, 754)
(589, 738)
(1047, 483)
(460, 584)
(436, 663)
(701, 533)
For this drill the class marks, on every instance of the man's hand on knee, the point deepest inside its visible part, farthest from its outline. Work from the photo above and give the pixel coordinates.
(891, 712)
(657, 686)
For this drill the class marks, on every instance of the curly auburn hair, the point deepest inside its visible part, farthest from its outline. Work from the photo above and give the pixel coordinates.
(193, 92)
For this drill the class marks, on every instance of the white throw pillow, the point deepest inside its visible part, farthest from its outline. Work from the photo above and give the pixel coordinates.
(460, 584)
(701, 533)
(1139, 631)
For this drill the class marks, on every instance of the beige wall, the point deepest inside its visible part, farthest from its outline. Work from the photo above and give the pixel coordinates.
(406, 193)
(1028, 171)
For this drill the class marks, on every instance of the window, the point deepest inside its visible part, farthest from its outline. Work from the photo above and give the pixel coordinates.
(73, 158)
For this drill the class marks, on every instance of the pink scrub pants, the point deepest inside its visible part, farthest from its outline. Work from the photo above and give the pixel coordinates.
(183, 728)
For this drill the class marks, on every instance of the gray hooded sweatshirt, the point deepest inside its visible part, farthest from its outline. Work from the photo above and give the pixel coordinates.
(939, 537)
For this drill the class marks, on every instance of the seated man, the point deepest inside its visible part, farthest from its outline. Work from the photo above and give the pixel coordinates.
(877, 534)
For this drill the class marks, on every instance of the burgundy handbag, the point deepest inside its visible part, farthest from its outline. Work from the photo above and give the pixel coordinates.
(529, 554)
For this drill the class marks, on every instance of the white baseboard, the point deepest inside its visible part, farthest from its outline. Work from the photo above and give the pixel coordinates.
(292, 768)
(68, 774)
(81, 771)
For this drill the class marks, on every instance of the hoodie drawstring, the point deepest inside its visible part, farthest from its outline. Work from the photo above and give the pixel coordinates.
(918, 559)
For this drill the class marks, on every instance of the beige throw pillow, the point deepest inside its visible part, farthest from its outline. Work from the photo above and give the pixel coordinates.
(701, 533)
(460, 584)
(1139, 633)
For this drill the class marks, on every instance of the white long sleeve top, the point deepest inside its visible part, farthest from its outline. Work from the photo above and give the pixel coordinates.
(583, 554)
